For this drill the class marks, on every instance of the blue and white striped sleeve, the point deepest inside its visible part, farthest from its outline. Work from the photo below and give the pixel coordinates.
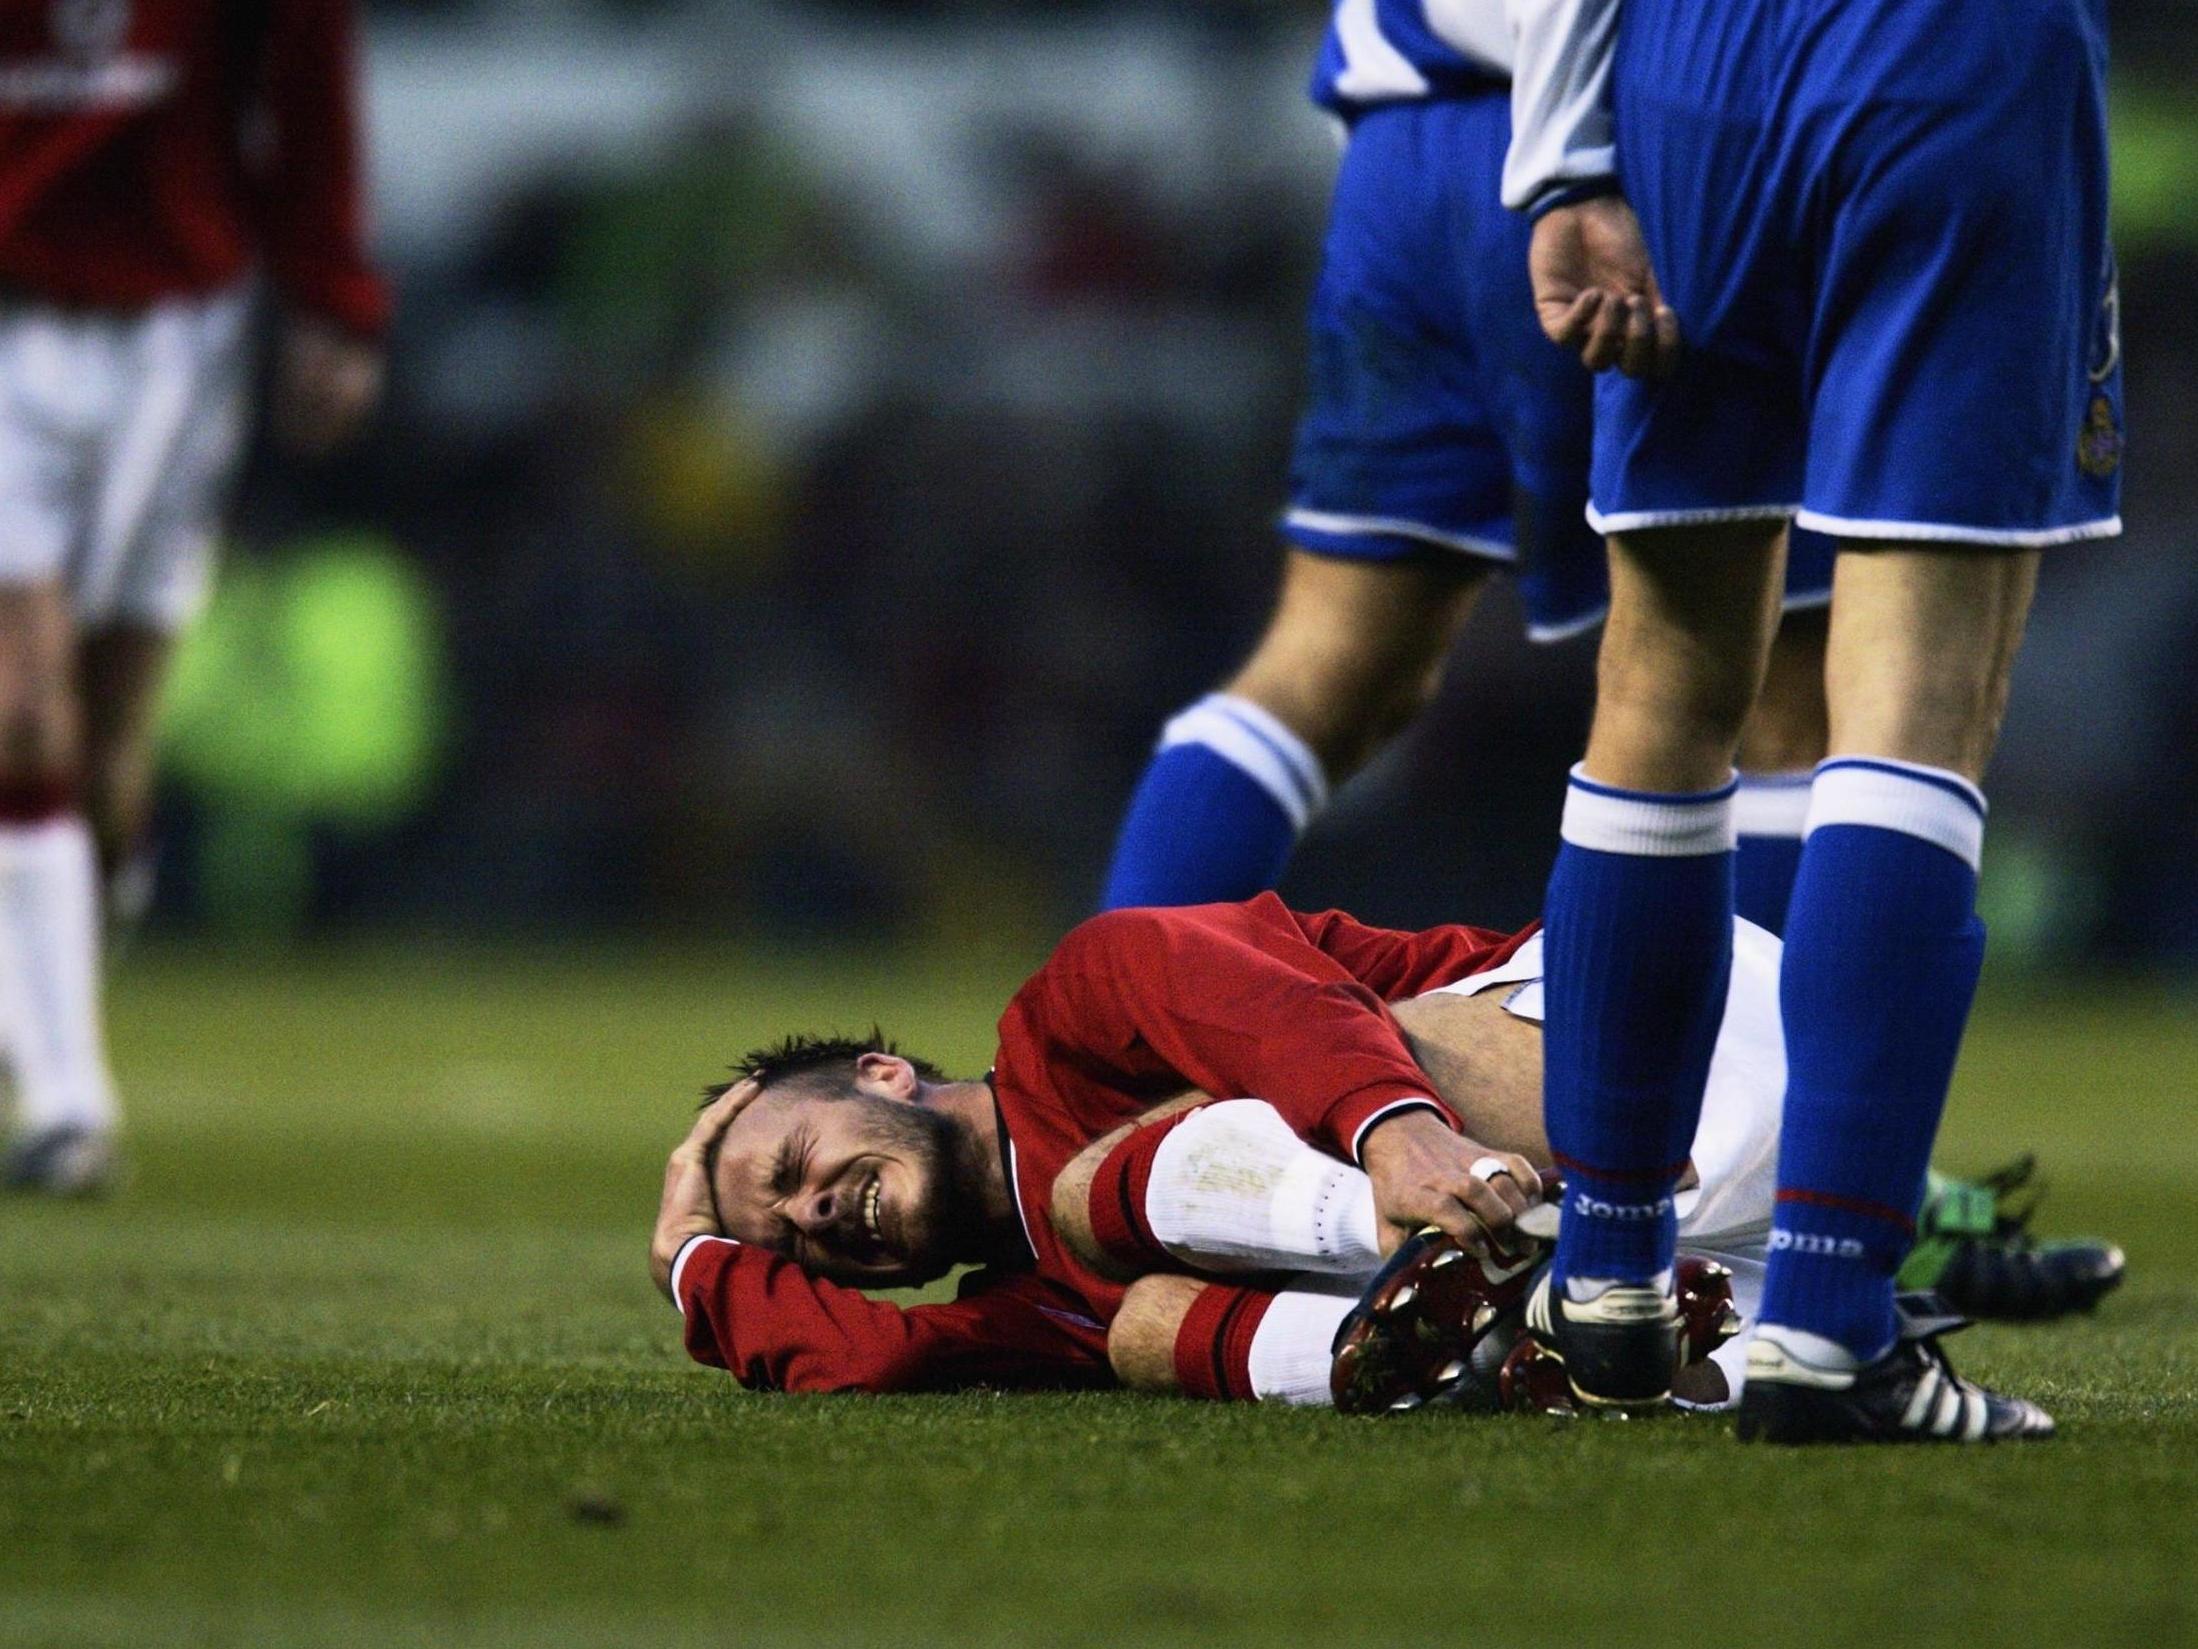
(1561, 141)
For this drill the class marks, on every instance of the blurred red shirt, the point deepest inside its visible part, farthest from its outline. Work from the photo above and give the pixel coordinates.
(152, 149)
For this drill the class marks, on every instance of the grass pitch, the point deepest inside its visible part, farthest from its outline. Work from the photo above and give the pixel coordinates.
(367, 1355)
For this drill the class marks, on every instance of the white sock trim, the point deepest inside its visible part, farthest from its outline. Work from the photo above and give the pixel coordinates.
(1289, 1360)
(1772, 804)
(1928, 803)
(1610, 820)
(1256, 742)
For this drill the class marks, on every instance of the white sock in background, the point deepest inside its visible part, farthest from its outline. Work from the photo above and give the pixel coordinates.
(1288, 1361)
(1233, 1189)
(49, 976)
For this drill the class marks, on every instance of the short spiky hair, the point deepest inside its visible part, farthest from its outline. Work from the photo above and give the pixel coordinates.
(800, 1054)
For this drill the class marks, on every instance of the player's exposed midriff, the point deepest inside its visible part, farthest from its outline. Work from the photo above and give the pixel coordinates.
(1485, 1063)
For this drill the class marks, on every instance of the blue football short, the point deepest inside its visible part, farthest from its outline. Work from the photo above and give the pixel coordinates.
(1438, 416)
(1883, 226)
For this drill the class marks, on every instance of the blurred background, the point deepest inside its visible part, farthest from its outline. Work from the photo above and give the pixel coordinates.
(827, 439)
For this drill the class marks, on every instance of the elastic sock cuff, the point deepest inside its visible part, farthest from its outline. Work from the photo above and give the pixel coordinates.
(1647, 824)
(1772, 804)
(1927, 803)
(1260, 745)
(1120, 1223)
(1213, 1347)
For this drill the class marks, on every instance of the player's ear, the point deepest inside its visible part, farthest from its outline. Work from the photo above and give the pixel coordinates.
(887, 1075)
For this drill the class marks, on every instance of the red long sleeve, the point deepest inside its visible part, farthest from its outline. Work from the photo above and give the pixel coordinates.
(1252, 1000)
(776, 1328)
(313, 202)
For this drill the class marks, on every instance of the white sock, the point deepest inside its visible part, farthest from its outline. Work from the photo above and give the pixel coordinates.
(49, 975)
(1234, 1190)
(1289, 1358)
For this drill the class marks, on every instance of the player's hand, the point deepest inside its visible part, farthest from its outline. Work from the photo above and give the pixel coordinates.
(689, 1209)
(326, 382)
(1423, 1175)
(1595, 293)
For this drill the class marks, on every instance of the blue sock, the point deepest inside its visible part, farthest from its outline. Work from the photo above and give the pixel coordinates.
(1219, 808)
(1638, 952)
(1881, 964)
(1768, 811)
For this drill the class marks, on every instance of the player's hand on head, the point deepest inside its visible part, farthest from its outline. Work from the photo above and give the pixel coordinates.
(326, 383)
(1595, 292)
(1424, 1173)
(689, 1206)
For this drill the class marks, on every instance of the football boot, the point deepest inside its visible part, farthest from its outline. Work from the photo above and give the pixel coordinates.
(1619, 1349)
(1432, 1326)
(63, 1161)
(1974, 1249)
(1909, 1395)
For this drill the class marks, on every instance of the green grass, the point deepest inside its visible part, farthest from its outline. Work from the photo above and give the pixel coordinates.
(369, 1341)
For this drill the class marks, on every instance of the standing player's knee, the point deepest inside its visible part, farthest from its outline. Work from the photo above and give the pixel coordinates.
(1355, 652)
(1141, 1339)
(1787, 728)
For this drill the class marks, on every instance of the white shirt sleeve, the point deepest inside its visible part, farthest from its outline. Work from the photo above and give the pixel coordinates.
(1560, 97)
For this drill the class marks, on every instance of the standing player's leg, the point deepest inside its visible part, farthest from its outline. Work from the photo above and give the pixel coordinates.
(1779, 749)
(1885, 946)
(119, 671)
(1945, 464)
(1639, 933)
(49, 928)
(1400, 502)
(1353, 652)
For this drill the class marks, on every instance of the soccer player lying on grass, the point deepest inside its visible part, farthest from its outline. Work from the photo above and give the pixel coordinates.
(1399, 1075)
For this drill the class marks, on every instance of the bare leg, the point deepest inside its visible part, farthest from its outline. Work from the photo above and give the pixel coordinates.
(1355, 649)
(40, 722)
(1884, 946)
(120, 670)
(1923, 644)
(49, 938)
(1141, 1339)
(1691, 619)
(1789, 724)
(1352, 653)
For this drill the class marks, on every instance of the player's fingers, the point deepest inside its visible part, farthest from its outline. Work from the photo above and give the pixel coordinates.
(1495, 1203)
(1606, 339)
(1434, 1205)
(1528, 1179)
(1667, 338)
(713, 1118)
(1568, 325)
(1465, 1227)
(1637, 357)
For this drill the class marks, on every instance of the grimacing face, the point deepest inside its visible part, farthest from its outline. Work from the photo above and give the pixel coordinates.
(856, 1188)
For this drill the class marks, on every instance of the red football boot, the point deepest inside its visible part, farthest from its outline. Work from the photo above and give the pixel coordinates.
(1433, 1326)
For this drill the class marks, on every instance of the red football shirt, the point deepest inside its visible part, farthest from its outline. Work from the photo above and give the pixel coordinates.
(159, 148)
(1238, 1001)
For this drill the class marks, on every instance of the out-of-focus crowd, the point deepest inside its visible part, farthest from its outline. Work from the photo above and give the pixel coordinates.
(824, 442)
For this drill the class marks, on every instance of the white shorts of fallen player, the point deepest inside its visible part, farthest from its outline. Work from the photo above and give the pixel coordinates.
(1296, 1214)
(119, 438)
(1727, 1217)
